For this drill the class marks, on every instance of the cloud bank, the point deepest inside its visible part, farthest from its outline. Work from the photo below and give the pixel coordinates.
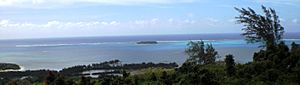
(55, 28)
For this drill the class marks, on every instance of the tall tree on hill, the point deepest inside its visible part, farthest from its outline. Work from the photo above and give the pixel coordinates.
(261, 28)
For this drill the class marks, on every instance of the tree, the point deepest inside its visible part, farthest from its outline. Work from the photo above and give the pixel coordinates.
(153, 77)
(230, 65)
(294, 57)
(50, 78)
(60, 80)
(202, 77)
(70, 82)
(211, 54)
(165, 78)
(84, 81)
(106, 81)
(294, 48)
(12, 82)
(195, 51)
(261, 28)
(125, 74)
(199, 54)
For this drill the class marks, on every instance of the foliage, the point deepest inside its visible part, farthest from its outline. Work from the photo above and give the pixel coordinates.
(199, 54)
(112, 65)
(230, 65)
(261, 28)
(8, 66)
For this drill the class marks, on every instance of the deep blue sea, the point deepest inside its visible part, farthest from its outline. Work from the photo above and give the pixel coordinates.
(57, 53)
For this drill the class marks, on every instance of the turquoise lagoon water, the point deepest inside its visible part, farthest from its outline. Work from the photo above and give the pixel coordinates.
(57, 53)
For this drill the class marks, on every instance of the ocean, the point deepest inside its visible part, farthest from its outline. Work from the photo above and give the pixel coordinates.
(57, 53)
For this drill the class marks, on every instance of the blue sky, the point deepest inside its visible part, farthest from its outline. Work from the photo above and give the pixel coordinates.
(76, 18)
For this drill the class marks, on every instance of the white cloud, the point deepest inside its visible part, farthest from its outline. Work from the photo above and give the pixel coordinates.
(54, 3)
(3, 23)
(54, 24)
(190, 15)
(295, 20)
(213, 20)
(114, 23)
(57, 28)
(51, 23)
(231, 20)
(171, 20)
(139, 22)
(154, 20)
(189, 21)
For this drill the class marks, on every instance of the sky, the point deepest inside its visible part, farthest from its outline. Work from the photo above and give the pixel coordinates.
(82, 18)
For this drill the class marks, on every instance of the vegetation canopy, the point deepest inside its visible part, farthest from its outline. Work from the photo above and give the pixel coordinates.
(200, 54)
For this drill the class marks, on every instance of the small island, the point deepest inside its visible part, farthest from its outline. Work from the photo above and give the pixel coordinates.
(146, 42)
(9, 66)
